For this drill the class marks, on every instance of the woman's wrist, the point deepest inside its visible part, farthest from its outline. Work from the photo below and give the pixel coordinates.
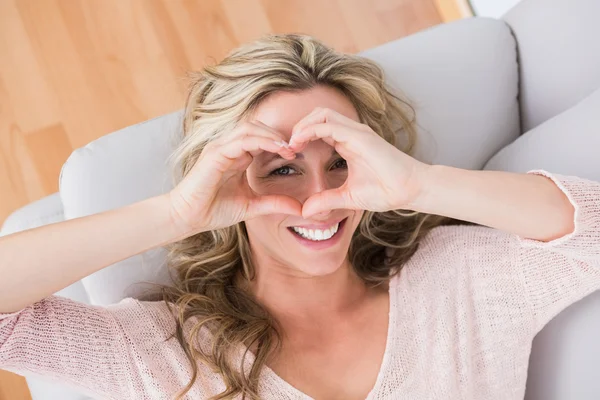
(422, 179)
(177, 227)
(442, 189)
(154, 215)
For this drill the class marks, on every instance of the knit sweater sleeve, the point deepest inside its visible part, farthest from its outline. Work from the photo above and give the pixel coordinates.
(83, 346)
(560, 272)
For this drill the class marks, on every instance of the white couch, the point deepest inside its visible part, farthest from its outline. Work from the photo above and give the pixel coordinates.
(513, 94)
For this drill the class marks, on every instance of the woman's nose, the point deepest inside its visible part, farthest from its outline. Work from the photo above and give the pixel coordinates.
(318, 183)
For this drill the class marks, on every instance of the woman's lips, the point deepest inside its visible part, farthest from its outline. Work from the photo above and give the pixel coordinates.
(320, 244)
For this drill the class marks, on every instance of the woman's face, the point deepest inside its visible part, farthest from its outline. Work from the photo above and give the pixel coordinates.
(317, 168)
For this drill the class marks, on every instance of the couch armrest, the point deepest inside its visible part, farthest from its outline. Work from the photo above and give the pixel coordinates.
(42, 212)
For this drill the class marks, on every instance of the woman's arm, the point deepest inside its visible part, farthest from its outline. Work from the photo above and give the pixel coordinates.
(38, 262)
(547, 242)
(528, 205)
(548, 233)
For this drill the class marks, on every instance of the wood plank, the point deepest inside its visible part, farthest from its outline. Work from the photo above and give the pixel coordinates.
(19, 180)
(451, 10)
(13, 387)
(25, 81)
(51, 147)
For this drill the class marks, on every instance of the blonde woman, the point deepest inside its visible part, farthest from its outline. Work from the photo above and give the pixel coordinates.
(315, 257)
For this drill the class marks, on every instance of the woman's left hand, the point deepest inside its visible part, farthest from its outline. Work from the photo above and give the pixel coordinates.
(380, 176)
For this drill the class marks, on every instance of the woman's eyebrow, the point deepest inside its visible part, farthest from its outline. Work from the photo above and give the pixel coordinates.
(271, 156)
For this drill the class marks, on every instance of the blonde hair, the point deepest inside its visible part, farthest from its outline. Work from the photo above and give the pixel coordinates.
(206, 264)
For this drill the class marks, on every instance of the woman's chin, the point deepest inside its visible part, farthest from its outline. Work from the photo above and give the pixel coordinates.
(316, 268)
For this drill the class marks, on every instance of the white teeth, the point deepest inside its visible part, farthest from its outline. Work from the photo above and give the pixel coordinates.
(317, 234)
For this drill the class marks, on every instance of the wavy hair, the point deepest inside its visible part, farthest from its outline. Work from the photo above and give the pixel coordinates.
(206, 264)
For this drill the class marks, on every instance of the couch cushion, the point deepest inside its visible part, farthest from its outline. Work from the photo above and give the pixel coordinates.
(118, 169)
(461, 77)
(44, 211)
(567, 144)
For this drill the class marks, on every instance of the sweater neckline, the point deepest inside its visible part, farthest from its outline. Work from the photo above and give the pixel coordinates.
(272, 380)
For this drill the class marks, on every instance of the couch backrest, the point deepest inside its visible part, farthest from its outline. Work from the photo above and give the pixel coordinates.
(559, 55)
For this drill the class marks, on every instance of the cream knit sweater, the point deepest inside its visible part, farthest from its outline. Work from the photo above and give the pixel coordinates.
(464, 311)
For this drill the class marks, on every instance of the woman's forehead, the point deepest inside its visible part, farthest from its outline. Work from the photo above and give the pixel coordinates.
(317, 147)
(282, 110)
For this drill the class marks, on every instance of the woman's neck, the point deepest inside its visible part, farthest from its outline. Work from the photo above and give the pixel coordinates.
(291, 297)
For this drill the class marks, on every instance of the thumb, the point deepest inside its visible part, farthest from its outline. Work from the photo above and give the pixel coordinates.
(325, 201)
(273, 204)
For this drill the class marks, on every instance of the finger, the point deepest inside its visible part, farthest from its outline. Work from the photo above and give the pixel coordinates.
(242, 163)
(281, 135)
(324, 115)
(273, 204)
(299, 147)
(327, 200)
(281, 138)
(229, 153)
(341, 135)
(254, 128)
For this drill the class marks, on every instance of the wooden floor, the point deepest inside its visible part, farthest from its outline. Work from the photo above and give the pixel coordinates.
(74, 70)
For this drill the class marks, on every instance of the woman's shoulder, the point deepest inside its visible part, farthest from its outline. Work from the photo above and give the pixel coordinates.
(448, 250)
(164, 316)
(463, 239)
(158, 311)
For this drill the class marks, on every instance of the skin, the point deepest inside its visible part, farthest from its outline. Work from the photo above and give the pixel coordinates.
(326, 311)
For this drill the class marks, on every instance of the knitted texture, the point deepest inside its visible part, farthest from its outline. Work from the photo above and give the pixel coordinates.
(463, 315)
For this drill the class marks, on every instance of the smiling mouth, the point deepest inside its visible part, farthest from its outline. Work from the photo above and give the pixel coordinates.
(314, 237)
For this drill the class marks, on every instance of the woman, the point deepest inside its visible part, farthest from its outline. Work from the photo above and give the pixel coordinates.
(298, 274)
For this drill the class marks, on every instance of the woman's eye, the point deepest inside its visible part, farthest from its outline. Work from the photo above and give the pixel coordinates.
(341, 163)
(285, 170)
(282, 171)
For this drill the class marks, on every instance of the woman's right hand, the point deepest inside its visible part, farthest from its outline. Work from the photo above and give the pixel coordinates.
(215, 193)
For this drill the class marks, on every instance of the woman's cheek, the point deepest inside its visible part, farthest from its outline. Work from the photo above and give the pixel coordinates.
(295, 186)
(287, 186)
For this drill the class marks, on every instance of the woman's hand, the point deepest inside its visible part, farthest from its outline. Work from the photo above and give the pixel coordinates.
(380, 176)
(215, 193)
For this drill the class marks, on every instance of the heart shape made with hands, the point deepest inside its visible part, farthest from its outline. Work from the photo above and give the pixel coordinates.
(380, 176)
